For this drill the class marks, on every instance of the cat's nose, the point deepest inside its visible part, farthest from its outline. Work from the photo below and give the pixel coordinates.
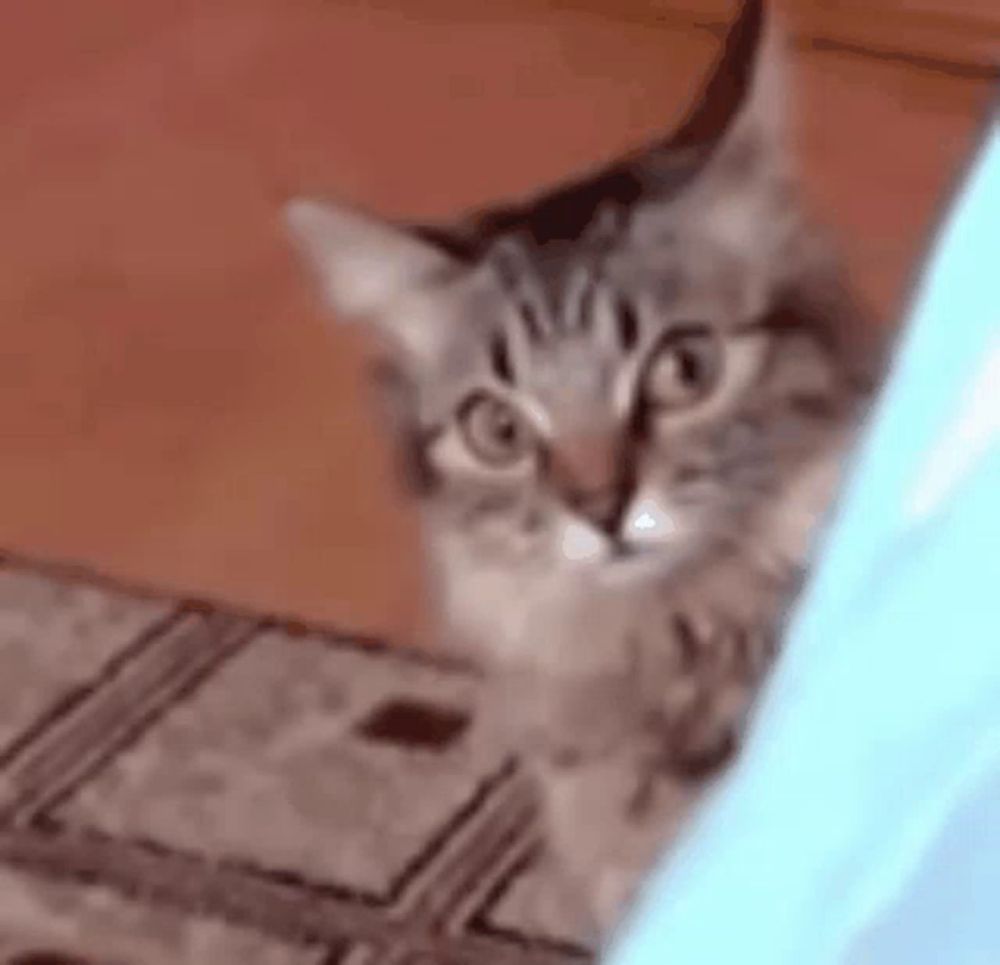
(588, 471)
(601, 508)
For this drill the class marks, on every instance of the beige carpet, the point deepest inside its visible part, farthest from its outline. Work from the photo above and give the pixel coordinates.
(180, 784)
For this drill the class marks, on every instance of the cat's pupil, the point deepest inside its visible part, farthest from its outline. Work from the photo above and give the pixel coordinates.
(689, 367)
(683, 370)
(505, 428)
(492, 430)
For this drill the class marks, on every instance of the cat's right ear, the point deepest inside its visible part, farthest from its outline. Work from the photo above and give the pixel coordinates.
(363, 263)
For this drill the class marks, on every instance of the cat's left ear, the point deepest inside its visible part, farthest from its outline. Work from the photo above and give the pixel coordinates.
(735, 135)
(364, 264)
(742, 106)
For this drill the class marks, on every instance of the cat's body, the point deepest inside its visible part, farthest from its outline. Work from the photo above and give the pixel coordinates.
(623, 408)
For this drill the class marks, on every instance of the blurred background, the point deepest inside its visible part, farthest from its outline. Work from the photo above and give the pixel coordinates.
(175, 412)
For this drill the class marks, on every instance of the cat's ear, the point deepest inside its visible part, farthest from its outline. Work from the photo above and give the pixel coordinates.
(364, 264)
(733, 142)
(728, 147)
(741, 106)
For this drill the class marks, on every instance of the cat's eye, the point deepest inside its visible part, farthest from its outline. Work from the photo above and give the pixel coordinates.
(494, 430)
(683, 369)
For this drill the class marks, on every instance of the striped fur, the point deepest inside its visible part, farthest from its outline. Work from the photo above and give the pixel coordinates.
(622, 406)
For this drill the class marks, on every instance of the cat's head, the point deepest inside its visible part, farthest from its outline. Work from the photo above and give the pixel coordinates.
(613, 376)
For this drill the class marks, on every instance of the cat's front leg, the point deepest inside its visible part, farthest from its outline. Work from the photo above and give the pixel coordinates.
(604, 839)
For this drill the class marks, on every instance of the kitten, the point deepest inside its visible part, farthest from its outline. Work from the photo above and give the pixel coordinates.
(622, 407)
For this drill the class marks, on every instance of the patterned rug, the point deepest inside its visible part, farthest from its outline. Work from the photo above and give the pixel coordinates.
(182, 784)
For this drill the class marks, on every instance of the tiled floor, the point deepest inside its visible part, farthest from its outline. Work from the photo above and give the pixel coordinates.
(207, 789)
(170, 406)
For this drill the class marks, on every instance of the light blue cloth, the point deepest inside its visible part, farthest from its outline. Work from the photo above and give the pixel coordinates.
(862, 823)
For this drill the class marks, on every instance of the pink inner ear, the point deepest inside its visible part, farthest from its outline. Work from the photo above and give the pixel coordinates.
(363, 263)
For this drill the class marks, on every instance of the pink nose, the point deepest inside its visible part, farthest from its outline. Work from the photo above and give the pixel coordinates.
(590, 473)
(603, 508)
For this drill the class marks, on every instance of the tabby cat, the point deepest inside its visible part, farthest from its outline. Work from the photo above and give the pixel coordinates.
(622, 406)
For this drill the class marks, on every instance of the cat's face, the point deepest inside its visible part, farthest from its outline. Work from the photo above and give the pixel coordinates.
(600, 386)
(607, 410)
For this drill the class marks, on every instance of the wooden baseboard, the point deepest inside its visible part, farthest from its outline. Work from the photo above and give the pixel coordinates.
(941, 33)
(957, 36)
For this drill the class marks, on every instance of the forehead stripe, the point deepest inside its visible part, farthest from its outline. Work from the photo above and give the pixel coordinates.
(509, 263)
